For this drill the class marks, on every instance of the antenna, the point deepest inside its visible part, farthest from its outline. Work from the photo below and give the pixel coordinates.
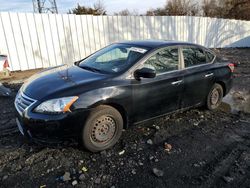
(45, 6)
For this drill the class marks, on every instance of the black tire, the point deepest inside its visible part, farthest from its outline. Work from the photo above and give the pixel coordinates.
(214, 97)
(102, 129)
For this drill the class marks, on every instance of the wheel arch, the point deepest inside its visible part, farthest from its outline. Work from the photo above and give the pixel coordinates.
(120, 109)
(223, 85)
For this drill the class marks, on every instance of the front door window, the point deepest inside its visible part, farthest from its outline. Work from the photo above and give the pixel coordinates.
(164, 61)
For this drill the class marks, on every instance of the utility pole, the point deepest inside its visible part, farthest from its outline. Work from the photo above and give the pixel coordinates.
(45, 6)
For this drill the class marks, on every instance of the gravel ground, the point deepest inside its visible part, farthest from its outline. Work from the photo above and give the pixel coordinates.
(197, 148)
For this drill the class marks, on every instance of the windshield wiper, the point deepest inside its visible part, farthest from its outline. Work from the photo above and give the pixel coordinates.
(91, 68)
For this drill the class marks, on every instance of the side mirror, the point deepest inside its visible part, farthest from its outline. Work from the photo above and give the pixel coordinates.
(77, 62)
(144, 73)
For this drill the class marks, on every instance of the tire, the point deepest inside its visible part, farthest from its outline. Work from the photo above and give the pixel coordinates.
(102, 129)
(214, 97)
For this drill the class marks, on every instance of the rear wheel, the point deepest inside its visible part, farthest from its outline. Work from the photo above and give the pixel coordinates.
(103, 128)
(214, 97)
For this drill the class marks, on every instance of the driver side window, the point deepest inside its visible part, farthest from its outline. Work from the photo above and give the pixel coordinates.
(164, 61)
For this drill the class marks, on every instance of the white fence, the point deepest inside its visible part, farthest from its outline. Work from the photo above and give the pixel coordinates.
(42, 40)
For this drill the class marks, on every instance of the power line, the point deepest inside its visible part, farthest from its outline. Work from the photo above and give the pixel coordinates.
(45, 6)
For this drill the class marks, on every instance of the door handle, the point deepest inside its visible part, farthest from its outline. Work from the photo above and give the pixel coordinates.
(177, 82)
(209, 75)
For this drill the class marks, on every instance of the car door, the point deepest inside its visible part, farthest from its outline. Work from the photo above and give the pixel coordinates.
(156, 96)
(198, 75)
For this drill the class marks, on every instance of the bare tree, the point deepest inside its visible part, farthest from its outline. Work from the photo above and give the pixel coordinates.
(100, 7)
(157, 12)
(150, 12)
(237, 9)
(176, 8)
(232, 9)
(126, 12)
(210, 8)
(181, 8)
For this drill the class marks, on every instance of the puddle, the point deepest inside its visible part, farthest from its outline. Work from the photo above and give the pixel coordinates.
(236, 101)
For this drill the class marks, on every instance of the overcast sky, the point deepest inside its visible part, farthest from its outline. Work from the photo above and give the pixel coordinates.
(64, 5)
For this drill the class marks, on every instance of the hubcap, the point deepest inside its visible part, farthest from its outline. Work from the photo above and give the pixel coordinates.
(215, 96)
(103, 129)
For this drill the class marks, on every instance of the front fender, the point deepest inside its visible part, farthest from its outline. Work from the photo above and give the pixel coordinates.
(111, 95)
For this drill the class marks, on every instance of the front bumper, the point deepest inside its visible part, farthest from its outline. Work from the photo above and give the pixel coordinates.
(51, 128)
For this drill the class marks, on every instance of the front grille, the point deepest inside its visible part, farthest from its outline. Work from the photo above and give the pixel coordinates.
(22, 102)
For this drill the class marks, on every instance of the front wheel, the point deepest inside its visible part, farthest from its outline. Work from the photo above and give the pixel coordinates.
(102, 129)
(214, 97)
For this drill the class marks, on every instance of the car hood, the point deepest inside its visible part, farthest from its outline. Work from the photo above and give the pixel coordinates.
(60, 81)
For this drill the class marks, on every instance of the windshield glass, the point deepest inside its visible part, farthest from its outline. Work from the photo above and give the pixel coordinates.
(113, 59)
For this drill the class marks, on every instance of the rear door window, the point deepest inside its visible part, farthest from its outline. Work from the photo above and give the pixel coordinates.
(193, 56)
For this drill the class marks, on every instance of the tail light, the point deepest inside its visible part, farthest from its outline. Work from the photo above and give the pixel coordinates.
(6, 64)
(231, 67)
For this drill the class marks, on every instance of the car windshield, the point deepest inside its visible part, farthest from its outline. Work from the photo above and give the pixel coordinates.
(114, 58)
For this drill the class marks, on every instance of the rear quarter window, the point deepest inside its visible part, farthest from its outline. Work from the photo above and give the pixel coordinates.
(210, 56)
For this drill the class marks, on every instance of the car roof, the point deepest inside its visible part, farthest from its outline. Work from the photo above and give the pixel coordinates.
(156, 43)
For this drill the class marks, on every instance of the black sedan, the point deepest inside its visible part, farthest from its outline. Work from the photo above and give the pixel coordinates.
(122, 84)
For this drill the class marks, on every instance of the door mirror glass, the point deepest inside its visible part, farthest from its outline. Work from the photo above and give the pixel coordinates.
(144, 73)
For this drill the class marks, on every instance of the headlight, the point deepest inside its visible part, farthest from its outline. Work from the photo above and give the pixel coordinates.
(56, 105)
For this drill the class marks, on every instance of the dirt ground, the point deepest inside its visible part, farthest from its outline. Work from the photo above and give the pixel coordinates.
(18, 76)
(195, 148)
